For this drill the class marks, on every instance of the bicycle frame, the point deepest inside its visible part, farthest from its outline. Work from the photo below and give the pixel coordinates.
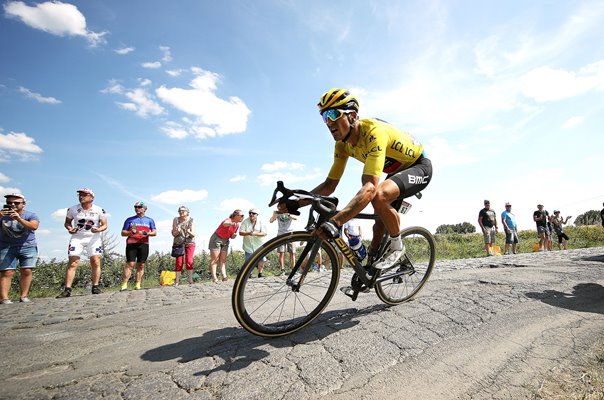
(368, 277)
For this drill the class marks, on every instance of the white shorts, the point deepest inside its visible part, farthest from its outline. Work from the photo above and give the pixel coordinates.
(92, 244)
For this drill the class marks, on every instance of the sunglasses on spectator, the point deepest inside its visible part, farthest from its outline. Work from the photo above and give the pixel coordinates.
(14, 202)
(333, 114)
(253, 213)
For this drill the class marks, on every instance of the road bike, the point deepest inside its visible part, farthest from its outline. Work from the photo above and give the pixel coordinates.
(279, 304)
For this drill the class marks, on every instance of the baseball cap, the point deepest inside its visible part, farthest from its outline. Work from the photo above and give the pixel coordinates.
(87, 191)
(487, 202)
(253, 210)
(18, 195)
(539, 205)
(508, 204)
(556, 211)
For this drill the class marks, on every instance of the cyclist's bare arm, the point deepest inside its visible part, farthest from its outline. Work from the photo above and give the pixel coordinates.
(359, 201)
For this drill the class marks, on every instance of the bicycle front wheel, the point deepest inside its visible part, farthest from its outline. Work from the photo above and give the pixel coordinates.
(402, 281)
(281, 303)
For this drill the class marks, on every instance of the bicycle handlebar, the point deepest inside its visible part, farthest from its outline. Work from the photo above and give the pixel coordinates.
(324, 205)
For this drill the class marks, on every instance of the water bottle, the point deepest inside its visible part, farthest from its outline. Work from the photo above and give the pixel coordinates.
(358, 247)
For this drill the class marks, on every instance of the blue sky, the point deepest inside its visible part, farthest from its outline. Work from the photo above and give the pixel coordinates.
(208, 104)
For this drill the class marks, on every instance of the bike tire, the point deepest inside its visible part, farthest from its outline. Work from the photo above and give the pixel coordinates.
(416, 263)
(269, 306)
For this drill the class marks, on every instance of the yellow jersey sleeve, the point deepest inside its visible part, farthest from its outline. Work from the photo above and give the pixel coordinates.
(340, 158)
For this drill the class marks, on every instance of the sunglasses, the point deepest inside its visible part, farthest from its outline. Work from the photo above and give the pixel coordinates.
(14, 202)
(333, 114)
(139, 207)
(253, 213)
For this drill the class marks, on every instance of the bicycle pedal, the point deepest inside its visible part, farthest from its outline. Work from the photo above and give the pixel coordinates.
(350, 292)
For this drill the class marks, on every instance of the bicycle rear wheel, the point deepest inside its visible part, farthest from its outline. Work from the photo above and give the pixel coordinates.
(277, 305)
(402, 281)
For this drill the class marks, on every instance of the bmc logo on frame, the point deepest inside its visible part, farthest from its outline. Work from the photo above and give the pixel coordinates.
(418, 180)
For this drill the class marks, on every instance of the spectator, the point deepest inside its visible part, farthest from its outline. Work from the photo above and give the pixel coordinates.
(219, 243)
(508, 220)
(253, 232)
(487, 220)
(284, 219)
(602, 215)
(17, 243)
(540, 218)
(84, 222)
(557, 222)
(137, 229)
(183, 231)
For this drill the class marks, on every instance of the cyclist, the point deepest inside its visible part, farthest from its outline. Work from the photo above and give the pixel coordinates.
(382, 148)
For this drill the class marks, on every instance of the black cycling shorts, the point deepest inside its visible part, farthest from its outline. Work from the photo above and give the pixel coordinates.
(137, 252)
(413, 179)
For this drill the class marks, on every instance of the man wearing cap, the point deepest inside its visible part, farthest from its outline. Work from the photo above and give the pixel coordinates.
(17, 243)
(508, 220)
(84, 222)
(540, 217)
(137, 230)
(253, 232)
(487, 219)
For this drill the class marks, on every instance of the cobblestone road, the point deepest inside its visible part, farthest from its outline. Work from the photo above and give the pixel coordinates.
(482, 328)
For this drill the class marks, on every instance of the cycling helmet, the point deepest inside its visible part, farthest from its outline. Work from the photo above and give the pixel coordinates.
(340, 99)
(140, 204)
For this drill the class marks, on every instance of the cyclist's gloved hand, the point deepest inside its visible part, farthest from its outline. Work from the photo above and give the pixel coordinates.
(292, 206)
(330, 229)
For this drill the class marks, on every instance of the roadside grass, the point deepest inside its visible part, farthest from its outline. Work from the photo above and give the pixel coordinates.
(582, 380)
(471, 245)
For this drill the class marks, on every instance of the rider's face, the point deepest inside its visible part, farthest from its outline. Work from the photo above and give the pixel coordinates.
(340, 127)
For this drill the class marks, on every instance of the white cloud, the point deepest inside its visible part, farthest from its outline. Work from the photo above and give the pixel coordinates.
(174, 72)
(548, 84)
(38, 97)
(282, 171)
(124, 50)
(237, 178)
(231, 205)
(277, 165)
(573, 121)
(144, 81)
(180, 196)
(59, 214)
(167, 54)
(174, 131)
(17, 144)
(151, 64)
(141, 101)
(54, 17)
(4, 178)
(214, 115)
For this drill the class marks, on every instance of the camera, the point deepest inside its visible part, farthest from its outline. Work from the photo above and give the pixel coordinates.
(7, 207)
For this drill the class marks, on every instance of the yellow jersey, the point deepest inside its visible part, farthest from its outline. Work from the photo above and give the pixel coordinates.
(381, 147)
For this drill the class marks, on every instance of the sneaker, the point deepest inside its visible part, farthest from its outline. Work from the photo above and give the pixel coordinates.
(66, 293)
(395, 251)
(124, 287)
(6, 301)
(96, 289)
(25, 300)
(137, 286)
(260, 275)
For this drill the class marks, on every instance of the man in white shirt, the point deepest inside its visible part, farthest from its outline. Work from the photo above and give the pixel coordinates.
(85, 222)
